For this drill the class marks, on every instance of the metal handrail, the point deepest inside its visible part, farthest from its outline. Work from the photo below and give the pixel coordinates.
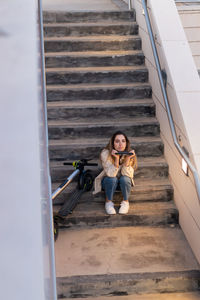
(43, 86)
(164, 93)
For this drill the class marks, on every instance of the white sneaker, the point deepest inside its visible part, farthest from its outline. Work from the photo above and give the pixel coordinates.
(109, 207)
(124, 207)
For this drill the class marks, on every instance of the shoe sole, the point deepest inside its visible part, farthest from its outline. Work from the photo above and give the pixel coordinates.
(111, 214)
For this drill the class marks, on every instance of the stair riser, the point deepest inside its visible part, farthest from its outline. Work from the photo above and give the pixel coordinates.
(76, 152)
(146, 195)
(163, 219)
(97, 77)
(136, 196)
(98, 93)
(57, 46)
(90, 61)
(152, 195)
(59, 174)
(62, 31)
(95, 285)
(72, 114)
(93, 131)
(78, 17)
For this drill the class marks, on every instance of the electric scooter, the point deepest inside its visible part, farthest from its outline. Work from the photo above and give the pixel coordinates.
(85, 183)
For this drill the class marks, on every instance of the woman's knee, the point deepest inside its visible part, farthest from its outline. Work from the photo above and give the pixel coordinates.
(109, 181)
(125, 180)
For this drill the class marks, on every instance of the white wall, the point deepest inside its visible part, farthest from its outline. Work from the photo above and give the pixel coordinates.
(190, 18)
(183, 88)
(26, 269)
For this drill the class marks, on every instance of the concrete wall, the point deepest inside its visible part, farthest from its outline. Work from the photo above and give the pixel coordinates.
(190, 18)
(26, 265)
(183, 88)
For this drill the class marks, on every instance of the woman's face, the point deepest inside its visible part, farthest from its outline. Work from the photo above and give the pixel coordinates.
(120, 142)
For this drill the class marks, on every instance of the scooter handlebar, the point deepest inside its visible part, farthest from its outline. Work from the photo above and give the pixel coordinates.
(85, 164)
(91, 164)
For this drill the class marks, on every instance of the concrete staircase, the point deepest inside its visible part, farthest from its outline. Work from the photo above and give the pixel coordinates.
(97, 83)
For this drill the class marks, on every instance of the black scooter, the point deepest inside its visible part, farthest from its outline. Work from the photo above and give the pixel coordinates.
(85, 183)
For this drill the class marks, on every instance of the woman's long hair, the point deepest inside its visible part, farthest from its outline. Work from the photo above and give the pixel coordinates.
(110, 147)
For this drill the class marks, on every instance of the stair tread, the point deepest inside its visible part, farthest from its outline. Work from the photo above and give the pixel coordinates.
(94, 53)
(96, 69)
(97, 86)
(140, 184)
(98, 141)
(157, 296)
(81, 12)
(102, 103)
(93, 38)
(85, 24)
(89, 208)
(142, 161)
(122, 250)
(105, 122)
(89, 213)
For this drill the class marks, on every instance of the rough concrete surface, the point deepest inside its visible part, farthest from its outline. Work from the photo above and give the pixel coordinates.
(171, 296)
(122, 250)
(79, 5)
(123, 260)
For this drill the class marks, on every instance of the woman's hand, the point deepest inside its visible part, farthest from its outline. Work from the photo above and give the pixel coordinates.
(114, 153)
(116, 157)
(128, 158)
(131, 156)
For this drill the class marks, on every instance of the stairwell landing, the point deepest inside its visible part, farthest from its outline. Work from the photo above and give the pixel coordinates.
(97, 83)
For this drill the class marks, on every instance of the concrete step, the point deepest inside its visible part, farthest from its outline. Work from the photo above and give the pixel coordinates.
(85, 29)
(124, 261)
(85, 110)
(62, 149)
(93, 58)
(145, 190)
(157, 296)
(89, 214)
(59, 129)
(114, 74)
(87, 16)
(92, 43)
(98, 91)
(148, 168)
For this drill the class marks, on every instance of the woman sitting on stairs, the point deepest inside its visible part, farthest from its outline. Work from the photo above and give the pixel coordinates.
(118, 171)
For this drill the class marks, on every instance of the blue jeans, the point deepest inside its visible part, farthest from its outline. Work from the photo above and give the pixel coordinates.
(110, 184)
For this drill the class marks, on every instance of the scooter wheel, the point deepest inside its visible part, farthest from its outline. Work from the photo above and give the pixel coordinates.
(56, 230)
(86, 181)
